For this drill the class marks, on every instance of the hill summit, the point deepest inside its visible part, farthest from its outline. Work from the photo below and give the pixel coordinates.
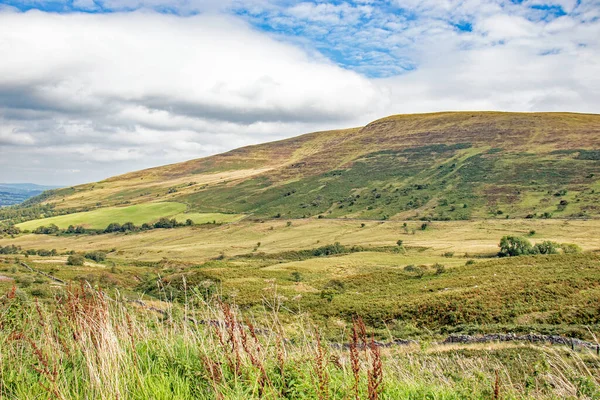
(439, 166)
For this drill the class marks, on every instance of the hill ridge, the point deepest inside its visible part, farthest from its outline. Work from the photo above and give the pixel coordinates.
(408, 166)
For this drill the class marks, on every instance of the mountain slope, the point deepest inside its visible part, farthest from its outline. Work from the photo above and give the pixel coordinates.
(452, 165)
(15, 193)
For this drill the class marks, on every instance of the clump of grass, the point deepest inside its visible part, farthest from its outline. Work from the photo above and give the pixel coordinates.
(87, 344)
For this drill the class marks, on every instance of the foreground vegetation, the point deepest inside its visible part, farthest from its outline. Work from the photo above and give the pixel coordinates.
(79, 345)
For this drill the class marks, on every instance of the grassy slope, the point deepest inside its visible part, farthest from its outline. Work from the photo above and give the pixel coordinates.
(138, 214)
(442, 166)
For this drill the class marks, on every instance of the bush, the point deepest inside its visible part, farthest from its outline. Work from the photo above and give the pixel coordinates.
(570, 248)
(12, 249)
(113, 227)
(418, 272)
(46, 230)
(166, 223)
(332, 288)
(511, 246)
(75, 260)
(97, 256)
(546, 247)
(296, 276)
(129, 227)
(439, 269)
(448, 254)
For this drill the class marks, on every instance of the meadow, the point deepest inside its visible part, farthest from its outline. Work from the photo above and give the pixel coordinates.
(137, 214)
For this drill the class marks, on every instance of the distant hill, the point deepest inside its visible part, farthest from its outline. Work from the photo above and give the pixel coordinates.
(442, 166)
(15, 193)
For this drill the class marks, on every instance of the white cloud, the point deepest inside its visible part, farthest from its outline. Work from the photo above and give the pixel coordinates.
(108, 93)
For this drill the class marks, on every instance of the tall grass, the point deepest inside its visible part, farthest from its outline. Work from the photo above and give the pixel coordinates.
(86, 344)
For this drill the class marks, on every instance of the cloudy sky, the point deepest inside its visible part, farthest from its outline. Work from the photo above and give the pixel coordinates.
(94, 88)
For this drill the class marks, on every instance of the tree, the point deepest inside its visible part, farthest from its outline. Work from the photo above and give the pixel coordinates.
(129, 227)
(399, 243)
(113, 227)
(189, 222)
(511, 246)
(46, 230)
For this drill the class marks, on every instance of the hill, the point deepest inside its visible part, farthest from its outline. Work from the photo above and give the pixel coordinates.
(15, 193)
(440, 166)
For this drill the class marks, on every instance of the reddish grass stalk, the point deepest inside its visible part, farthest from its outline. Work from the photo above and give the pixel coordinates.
(497, 387)
(254, 357)
(375, 373)
(320, 369)
(230, 325)
(355, 359)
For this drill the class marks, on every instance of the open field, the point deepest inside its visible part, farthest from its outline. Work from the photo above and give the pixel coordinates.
(200, 243)
(138, 214)
(448, 271)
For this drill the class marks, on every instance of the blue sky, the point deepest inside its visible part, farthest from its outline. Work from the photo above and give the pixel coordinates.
(357, 35)
(93, 88)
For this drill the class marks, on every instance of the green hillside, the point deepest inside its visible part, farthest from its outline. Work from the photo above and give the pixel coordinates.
(441, 166)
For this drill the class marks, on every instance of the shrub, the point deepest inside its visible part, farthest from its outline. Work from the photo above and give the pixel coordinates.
(166, 223)
(439, 269)
(46, 230)
(448, 254)
(129, 227)
(511, 246)
(113, 227)
(332, 288)
(97, 256)
(418, 272)
(399, 243)
(75, 260)
(546, 247)
(296, 276)
(189, 222)
(11, 249)
(570, 248)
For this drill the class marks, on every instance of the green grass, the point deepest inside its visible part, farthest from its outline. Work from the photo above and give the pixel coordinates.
(98, 219)
(138, 214)
(204, 218)
(79, 346)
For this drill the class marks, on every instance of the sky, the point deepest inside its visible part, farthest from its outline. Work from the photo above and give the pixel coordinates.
(94, 88)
